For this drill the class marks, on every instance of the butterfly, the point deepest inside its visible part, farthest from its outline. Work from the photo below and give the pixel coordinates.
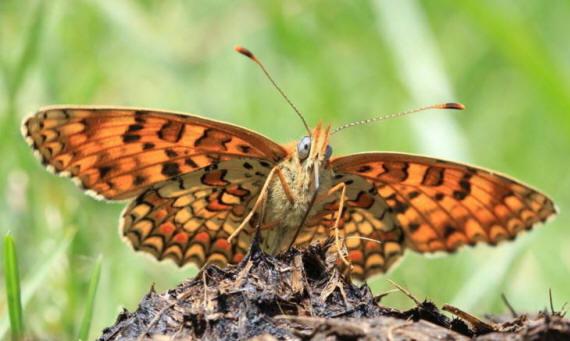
(199, 189)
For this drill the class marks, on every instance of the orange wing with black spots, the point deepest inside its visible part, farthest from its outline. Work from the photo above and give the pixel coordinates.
(116, 153)
(188, 218)
(442, 205)
(372, 235)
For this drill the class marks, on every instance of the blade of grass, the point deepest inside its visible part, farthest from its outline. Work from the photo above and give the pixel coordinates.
(13, 288)
(32, 284)
(90, 304)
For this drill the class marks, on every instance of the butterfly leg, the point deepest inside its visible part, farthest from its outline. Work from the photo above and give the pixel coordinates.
(342, 188)
(286, 188)
(261, 198)
(259, 227)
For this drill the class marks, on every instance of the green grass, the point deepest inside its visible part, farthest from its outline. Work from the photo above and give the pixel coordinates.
(13, 289)
(37, 276)
(90, 301)
(508, 62)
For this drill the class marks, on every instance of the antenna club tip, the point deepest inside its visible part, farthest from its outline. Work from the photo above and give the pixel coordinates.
(453, 105)
(245, 52)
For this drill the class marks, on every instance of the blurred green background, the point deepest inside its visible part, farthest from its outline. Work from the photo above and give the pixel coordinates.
(508, 62)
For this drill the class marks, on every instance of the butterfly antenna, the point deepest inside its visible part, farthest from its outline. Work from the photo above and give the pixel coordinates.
(251, 56)
(455, 106)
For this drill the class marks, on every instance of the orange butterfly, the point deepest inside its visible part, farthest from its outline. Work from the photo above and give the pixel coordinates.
(199, 188)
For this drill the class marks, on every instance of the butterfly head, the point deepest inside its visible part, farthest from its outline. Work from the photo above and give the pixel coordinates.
(313, 152)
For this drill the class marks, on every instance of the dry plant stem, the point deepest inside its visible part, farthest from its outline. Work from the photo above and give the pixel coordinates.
(477, 323)
(550, 300)
(509, 306)
(379, 297)
(405, 292)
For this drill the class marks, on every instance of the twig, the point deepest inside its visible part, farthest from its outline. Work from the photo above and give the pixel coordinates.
(509, 306)
(479, 325)
(379, 297)
(550, 299)
(560, 312)
(405, 292)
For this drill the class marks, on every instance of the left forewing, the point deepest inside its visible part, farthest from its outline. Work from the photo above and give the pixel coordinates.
(115, 153)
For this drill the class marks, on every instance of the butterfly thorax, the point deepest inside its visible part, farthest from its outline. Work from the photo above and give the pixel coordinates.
(306, 178)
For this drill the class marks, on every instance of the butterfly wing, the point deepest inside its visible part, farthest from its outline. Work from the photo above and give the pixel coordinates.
(443, 205)
(394, 201)
(188, 218)
(365, 221)
(117, 153)
(193, 178)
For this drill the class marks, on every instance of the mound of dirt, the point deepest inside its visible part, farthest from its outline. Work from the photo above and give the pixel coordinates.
(300, 295)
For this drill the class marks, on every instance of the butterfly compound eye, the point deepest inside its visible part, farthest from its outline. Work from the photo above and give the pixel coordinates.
(328, 152)
(304, 147)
